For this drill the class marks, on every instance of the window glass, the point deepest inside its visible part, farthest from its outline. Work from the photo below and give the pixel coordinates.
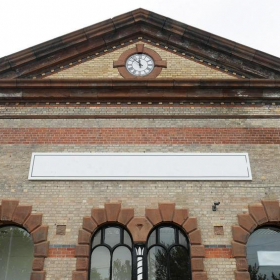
(121, 264)
(157, 263)
(167, 236)
(112, 258)
(177, 262)
(112, 236)
(168, 256)
(100, 264)
(263, 253)
(16, 253)
(127, 239)
(97, 239)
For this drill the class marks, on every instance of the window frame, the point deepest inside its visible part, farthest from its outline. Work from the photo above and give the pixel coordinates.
(157, 243)
(112, 249)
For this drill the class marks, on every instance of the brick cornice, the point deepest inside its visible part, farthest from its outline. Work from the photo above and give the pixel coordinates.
(143, 23)
(139, 90)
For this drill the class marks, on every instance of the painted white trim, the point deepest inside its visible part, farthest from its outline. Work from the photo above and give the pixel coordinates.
(140, 166)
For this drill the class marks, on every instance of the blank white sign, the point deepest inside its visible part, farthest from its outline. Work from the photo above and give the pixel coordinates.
(269, 258)
(139, 166)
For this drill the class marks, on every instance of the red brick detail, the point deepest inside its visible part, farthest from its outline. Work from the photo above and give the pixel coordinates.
(8, 209)
(241, 264)
(11, 213)
(180, 216)
(197, 264)
(218, 253)
(125, 215)
(153, 215)
(89, 224)
(41, 249)
(112, 211)
(239, 234)
(33, 221)
(21, 214)
(272, 210)
(40, 234)
(99, 215)
(82, 250)
(195, 237)
(197, 251)
(247, 222)
(38, 264)
(190, 225)
(139, 228)
(61, 252)
(38, 275)
(82, 264)
(258, 213)
(199, 276)
(84, 237)
(79, 275)
(140, 135)
(242, 275)
(167, 211)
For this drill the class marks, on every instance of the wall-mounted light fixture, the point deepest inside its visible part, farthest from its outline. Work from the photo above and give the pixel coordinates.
(214, 206)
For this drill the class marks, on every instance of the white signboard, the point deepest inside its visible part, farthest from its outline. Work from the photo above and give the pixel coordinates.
(269, 258)
(139, 166)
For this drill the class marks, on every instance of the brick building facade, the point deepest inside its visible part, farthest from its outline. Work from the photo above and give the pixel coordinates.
(211, 95)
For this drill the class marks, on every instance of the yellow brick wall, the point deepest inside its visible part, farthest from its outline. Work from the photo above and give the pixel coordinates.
(177, 67)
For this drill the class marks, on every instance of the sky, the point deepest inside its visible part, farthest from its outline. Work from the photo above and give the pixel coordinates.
(254, 23)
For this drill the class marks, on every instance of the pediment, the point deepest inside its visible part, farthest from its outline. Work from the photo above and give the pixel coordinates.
(186, 45)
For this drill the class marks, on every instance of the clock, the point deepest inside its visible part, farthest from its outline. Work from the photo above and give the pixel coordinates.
(140, 64)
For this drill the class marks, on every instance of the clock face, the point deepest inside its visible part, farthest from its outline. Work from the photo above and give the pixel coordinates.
(139, 64)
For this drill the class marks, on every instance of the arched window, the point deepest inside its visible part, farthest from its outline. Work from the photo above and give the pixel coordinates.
(168, 255)
(111, 254)
(263, 253)
(16, 253)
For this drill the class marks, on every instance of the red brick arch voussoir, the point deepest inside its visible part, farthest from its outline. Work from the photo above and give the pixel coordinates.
(11, 213)
(265, 213)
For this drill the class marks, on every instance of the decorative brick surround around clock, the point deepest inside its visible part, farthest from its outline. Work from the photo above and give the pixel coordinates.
(266, 212)
(11, 213)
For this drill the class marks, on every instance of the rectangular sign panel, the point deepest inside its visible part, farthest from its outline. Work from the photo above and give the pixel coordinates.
(139, 166)
(269, 258)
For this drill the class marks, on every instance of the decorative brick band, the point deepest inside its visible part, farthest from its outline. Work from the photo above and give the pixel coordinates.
(11, 213)
(152, 136)
(219, 251)
(266, 212)
(62, 252)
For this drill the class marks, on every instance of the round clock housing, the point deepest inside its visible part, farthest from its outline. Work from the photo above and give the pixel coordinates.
(140, 64)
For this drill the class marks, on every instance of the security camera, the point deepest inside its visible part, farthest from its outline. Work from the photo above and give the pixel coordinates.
(214, 206)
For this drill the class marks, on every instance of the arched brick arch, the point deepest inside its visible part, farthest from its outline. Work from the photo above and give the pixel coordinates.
(11, 213)
(139, 227)
(111, 213)
(166, 212)
(265, 213)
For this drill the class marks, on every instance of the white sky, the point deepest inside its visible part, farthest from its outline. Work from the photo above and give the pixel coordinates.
(25, 23)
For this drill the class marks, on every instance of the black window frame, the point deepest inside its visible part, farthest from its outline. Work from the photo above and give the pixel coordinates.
(111, 250)
(157, 243)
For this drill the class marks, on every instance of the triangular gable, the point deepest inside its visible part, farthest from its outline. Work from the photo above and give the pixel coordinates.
(177, 37)
(100, 66)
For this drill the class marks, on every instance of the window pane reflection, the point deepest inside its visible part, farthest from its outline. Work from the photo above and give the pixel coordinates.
(100, 264)
(16, 253)
(179, 268)
(127, 239)
(183, 240)
(152, 239)
(112, 236)
(121, 264)
(157, 264)
(97, 239)
(167, 236)
(266, 242)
